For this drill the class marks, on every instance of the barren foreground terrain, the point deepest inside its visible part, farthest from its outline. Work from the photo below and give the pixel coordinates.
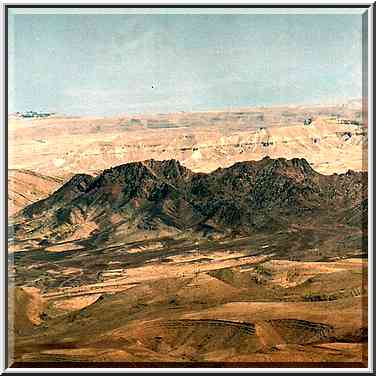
(232, 302)
(222, 238)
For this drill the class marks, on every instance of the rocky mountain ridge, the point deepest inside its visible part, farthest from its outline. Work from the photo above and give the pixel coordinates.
(153, 198)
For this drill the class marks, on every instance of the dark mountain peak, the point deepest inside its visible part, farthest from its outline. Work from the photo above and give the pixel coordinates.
(351, 175)
(159, 168)
(73, 188)
(141, 176)
(289, 167)
(283, 162)
(297, 169)
(130, 172)
(267, 162)
(273, 164)
(79, 182)
(156, 193)
(156, 163)
(123, 168)
(303, 164)
(170, 169)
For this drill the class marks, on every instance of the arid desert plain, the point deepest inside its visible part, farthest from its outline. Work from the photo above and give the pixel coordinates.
(215, 238)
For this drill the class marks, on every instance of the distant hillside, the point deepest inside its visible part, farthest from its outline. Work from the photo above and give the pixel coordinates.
(26, 187)
(331, 138)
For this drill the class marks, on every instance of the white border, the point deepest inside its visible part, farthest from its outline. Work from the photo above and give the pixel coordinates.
(370, 188)
(370, 184)
(3, 198)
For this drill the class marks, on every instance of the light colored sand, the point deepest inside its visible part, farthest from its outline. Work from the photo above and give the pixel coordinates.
(76, 303)
(352, 312)
(26, 187)
(292, 273)
(64, 247)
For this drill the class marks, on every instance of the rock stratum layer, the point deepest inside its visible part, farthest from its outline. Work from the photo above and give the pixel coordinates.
(202, 142)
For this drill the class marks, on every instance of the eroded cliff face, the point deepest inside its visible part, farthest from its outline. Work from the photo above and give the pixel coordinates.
(200, 141)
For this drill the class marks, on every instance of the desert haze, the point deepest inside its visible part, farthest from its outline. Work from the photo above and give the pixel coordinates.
(221, 237)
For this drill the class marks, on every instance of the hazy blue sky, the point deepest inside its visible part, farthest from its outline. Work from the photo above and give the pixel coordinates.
(113, 64)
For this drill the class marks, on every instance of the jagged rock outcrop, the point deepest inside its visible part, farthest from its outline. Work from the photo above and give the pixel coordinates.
(156, 196)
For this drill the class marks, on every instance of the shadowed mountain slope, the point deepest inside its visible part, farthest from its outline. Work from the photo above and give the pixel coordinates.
(153, 198)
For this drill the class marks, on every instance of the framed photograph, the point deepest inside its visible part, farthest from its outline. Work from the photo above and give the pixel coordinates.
(187, 186)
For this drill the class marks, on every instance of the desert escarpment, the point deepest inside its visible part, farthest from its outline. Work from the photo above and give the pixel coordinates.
(200, 141)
